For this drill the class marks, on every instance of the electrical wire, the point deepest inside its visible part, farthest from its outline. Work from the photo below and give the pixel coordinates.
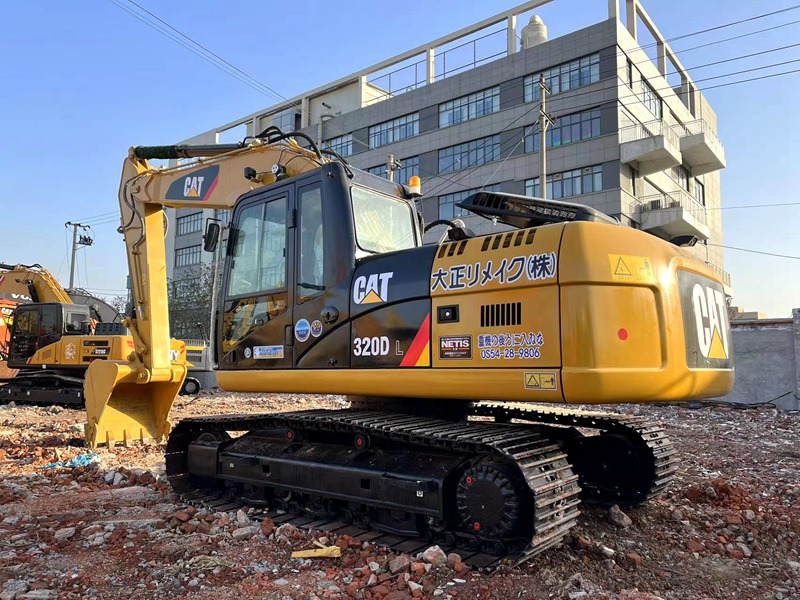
(755, 206)
(85, 268)
(725, 25)
(754, 251)
(598, 105)
(66, 253)
(242, 76)
(256, 84)
(648, 59)
(95, 217)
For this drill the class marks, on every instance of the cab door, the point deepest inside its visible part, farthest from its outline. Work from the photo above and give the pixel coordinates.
(255, 328)
(323, 269)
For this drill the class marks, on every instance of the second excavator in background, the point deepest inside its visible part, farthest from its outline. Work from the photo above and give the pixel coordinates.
(49, 336)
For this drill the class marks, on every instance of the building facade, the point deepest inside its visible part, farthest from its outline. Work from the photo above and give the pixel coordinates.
(625, 141)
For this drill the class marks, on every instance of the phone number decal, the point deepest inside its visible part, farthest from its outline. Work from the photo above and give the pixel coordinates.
(510, 346)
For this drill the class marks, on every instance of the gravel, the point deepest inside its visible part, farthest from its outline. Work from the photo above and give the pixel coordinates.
(729, 527)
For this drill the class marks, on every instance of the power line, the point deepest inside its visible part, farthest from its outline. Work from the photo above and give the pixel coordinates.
(249, 80)
(229, 68)
(101, 215)
(755, 251)
(754, 206)
(731, 24)
(648, 59)
(737, 37)
(573, 110)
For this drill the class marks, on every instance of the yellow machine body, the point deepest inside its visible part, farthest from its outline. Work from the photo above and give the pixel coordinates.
(599, 327)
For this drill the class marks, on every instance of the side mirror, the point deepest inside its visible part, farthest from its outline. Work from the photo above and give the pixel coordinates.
(211, 237)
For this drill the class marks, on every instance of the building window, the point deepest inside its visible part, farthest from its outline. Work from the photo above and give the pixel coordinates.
(343, 144)
(699, 192)
(568, 129)
(410, 168)
(630, 74)
(562, 78)
(447, 202)
(681, 176)
(186, 257)
(469, 154)
(651, 99)
(189, 223)
(394, 130)
(469, 107)
(569, 183)
(223, 214)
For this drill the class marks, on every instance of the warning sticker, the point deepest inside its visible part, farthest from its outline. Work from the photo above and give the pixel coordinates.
(540, 381)
(631, 269)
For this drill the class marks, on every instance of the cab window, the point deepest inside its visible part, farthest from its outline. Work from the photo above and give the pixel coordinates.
(383, 223)
(310, 281)
(49, 324)
(259, 249)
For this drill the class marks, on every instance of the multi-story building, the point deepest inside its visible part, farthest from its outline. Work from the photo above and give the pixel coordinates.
(633, 136)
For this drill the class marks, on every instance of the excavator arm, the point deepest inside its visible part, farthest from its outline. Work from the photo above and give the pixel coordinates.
(131, 399)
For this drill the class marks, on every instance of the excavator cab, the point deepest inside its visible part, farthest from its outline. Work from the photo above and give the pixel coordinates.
(39, 325)
(291, 257)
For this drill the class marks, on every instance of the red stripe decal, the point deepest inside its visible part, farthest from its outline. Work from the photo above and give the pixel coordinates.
(211, 189)
(418, 345)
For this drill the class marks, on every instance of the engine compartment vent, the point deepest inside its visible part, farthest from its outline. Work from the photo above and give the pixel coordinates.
(501, 315)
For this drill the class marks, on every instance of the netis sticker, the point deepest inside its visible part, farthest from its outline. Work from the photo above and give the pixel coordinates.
(456, 347)
(267, 352)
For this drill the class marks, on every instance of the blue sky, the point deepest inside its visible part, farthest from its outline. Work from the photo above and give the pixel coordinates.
(83, 81)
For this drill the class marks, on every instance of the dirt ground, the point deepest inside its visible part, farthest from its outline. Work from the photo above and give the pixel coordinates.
(729, 527)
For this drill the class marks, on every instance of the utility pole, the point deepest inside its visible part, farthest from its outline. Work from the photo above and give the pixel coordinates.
(544, 120)
(83, 240)
(391, 165)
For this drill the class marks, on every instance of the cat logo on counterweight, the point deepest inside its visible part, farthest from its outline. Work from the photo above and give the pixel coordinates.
(705, 322)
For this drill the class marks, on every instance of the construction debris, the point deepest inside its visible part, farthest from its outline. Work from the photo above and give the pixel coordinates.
(729, 527)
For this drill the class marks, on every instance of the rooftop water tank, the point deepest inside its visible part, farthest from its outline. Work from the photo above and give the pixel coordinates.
(534, 33)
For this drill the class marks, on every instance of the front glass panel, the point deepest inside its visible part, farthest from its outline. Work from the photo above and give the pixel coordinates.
(259, 249)
(383, 224)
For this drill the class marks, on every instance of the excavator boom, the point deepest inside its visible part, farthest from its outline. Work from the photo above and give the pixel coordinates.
(131, 399)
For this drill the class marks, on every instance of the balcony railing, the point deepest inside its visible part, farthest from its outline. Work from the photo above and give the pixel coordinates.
(679, 199)
(695, 127)
(724, 275)
(641, 131)
(700, 147)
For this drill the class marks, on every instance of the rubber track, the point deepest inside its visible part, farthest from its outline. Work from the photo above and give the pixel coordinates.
(545, 468)
(662, 453)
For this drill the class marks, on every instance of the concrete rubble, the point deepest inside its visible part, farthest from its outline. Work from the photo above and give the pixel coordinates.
(728, 528)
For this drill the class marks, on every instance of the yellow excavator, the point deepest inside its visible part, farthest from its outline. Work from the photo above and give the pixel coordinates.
(446, 351)
(49, 336)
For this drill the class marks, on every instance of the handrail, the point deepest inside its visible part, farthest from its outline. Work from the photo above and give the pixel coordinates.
(667, 200)
(726, 277)
(696, 127)
(640, 131)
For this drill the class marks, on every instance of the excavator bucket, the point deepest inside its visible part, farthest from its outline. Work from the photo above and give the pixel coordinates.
(122, 405)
